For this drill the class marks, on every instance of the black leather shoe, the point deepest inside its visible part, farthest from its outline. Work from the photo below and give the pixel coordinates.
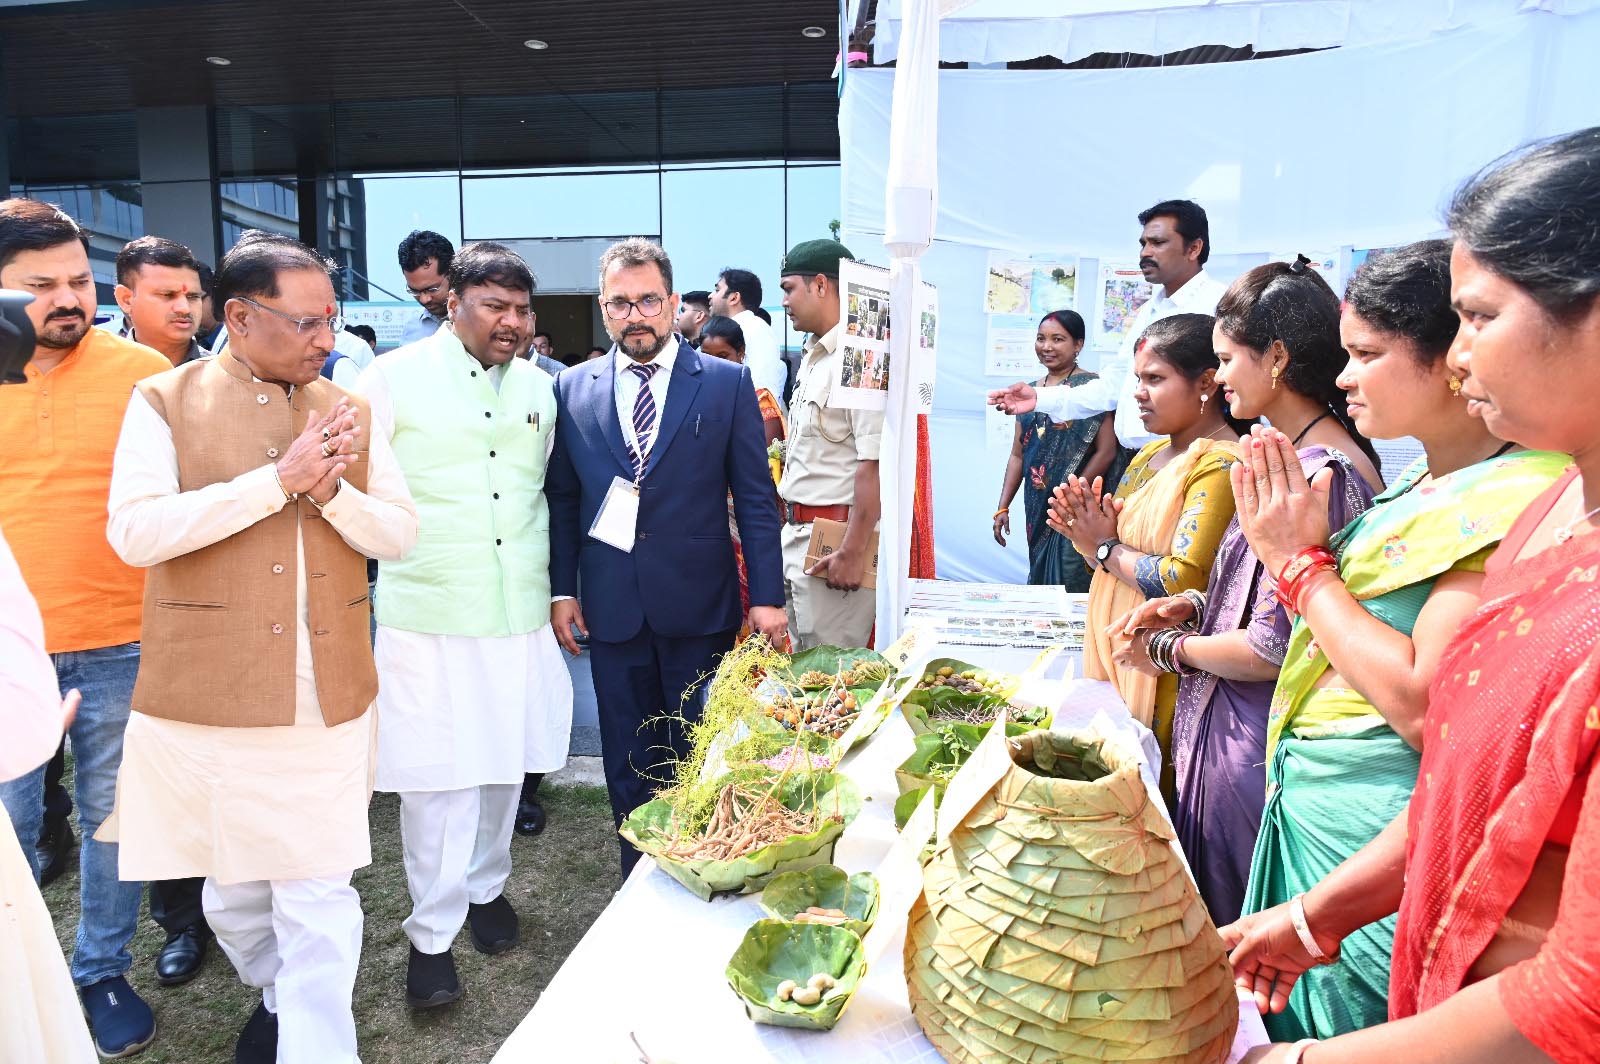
(56, 849)
(258, 1042)
(181, 958)
(494, 926)
(530, 817)
(431, 979)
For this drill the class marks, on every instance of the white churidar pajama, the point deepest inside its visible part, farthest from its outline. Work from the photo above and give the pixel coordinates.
(274, 818)
(462, 718)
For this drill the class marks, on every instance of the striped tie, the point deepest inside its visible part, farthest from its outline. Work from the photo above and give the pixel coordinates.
(644, 416)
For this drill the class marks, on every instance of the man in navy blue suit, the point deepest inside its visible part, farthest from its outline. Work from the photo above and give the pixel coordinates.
(649, 441)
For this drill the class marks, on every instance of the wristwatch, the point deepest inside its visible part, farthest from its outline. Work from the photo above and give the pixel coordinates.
(1103, 552)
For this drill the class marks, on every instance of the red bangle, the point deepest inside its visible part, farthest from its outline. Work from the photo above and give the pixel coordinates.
(1299, 573)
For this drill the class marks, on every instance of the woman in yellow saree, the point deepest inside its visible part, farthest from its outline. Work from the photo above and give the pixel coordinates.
(1159, 533)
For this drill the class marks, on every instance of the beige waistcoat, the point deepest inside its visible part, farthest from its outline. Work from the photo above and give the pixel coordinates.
(219, 623)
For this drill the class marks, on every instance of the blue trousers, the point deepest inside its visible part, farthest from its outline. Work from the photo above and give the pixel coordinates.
(109, 907)
(635, 683)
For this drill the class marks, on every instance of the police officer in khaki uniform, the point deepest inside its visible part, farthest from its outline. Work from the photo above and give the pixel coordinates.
(830, 464)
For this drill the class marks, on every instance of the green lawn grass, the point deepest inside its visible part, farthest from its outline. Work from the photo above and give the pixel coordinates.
(560, 881)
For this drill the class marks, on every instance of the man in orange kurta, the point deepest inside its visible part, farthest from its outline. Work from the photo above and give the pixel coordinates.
(58, 430)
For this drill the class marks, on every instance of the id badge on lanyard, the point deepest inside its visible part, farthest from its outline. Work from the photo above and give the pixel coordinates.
(617, 520)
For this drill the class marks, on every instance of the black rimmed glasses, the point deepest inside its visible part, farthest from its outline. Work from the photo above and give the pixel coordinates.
(619, 309)
(334, 324)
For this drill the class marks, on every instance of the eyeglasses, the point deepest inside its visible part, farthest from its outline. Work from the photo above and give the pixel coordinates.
(648, 307)
(334, 324)
(432, 290)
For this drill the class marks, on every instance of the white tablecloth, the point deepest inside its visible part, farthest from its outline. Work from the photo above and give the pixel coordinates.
(652, 964)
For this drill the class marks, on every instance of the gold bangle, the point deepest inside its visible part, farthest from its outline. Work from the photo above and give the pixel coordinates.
(287, 497)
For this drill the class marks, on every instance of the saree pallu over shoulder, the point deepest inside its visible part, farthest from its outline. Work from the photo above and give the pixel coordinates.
(1513, 721)
(1153, 522)
(1391, 555)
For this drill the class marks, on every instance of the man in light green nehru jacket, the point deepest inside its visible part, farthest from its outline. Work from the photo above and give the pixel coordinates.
(473, 691)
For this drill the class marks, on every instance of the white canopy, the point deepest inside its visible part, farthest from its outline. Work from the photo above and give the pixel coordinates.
(1001, 31)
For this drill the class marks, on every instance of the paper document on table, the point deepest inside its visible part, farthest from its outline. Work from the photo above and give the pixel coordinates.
(974, 779)
(899, 877)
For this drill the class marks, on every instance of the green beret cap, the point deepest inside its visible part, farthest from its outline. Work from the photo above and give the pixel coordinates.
(811, 257)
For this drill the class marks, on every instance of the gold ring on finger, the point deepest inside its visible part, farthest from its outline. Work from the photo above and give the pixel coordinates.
(327, 450)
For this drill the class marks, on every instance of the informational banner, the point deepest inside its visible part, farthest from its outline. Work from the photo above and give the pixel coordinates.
(927, 348)
(1008, 347)
(388, 319)
(1118, 294)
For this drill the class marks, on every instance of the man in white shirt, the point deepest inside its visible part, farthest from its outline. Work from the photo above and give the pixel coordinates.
(425, 258)
(736, 296)
(1173, 249)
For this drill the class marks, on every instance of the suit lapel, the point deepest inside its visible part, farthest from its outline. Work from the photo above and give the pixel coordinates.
(604, 396)
(685, 384)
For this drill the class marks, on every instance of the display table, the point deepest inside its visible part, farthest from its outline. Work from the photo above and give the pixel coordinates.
(652, 964)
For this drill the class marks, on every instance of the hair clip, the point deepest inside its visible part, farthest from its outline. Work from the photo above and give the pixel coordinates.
(1299, 264)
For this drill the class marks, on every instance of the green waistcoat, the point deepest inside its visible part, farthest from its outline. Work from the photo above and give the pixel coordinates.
(474, 459)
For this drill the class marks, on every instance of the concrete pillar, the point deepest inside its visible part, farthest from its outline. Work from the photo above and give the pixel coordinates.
(177, 175)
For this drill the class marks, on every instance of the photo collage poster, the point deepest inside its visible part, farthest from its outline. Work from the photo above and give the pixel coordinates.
(863, 382)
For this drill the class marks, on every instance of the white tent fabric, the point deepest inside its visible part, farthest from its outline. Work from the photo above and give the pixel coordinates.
(1000, 31)
(1356, 146)
(910, 203)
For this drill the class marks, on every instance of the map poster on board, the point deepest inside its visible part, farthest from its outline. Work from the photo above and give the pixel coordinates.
(1030, 285)
(1118, 294)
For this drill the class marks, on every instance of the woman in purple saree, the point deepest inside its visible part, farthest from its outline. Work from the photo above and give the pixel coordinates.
(1277, 338)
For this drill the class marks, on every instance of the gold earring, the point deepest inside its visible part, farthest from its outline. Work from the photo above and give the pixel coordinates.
(1275, 372)
(1455, 386)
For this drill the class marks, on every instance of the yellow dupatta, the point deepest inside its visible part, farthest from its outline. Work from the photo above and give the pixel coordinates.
(1147, 524)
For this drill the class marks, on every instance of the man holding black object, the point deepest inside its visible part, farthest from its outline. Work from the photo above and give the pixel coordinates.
(649, 441)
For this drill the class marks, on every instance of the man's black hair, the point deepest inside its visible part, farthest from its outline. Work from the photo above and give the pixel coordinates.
(747, 284)
(485, 262)
(699, 297)
(420, 245)
(251, 268)
(29, 225)
(154, 251)
(1190, 222)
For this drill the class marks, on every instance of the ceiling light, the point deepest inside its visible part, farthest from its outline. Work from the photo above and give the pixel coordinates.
(816, 33)
(217, 60)
(536, 45)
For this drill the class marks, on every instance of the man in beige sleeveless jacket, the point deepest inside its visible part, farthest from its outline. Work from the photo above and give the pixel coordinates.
(252, 488)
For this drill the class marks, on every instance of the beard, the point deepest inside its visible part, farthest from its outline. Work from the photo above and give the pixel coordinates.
(63, 333)
(643, 346)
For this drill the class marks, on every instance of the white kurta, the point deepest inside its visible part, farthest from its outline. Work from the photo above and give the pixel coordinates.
(242, 804)
(463, 711)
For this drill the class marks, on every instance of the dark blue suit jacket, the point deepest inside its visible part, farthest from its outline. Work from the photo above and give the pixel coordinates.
(681, 577)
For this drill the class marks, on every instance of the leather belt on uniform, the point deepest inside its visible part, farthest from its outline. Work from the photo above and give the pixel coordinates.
(800, 514)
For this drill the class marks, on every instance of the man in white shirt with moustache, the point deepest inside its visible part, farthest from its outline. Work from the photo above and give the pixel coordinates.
(1173, 249)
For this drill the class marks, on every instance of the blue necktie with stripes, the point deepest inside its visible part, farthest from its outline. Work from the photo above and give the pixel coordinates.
(644, 416)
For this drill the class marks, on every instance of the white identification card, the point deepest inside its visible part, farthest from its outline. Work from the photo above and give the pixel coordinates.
(618, 517)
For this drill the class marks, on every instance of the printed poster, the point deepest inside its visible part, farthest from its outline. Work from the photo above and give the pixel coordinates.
(1119, 293)
(863, 382)
(1008, 348)
(1033, 285)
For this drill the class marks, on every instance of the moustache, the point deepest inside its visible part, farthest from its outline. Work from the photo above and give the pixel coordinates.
(64, 315)
(1146, 262)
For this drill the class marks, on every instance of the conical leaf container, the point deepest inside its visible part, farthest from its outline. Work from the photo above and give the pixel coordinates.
(1057, 924)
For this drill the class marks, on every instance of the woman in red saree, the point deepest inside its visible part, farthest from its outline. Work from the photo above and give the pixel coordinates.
(1495, 868)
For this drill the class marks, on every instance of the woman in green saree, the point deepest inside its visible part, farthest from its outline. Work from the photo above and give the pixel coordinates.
(1344, 729)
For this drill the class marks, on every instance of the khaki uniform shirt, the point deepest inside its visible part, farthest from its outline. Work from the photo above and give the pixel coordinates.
(825, 443)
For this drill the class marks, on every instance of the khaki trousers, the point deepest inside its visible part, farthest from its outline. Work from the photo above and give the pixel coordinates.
(818, 614)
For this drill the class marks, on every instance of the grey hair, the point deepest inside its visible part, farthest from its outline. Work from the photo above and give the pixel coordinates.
(636, 251)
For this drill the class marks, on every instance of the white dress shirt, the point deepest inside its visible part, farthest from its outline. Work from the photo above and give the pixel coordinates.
(627, 389)
(30, 701)
(1114, 388)
(767, 368)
